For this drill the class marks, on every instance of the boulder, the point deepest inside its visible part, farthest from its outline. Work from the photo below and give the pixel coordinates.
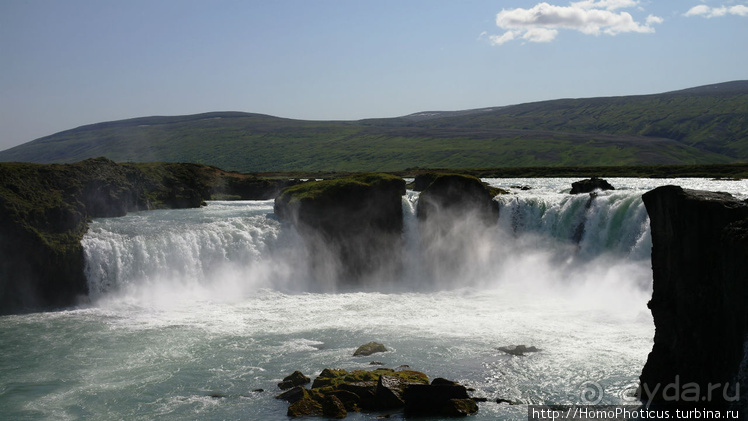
(297, 378)
(389, 392)
(368, 349)
(292, 395)
(352, 225)
(441, 399)
(332, 407)
(305, 407)
(590, 185)
(456, 195)
(700, 285)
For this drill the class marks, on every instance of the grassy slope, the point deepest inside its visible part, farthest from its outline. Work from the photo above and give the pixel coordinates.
(698, 126)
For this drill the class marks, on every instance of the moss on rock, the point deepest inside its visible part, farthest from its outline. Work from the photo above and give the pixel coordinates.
(45, 210)
(352, 225)
(368, 349)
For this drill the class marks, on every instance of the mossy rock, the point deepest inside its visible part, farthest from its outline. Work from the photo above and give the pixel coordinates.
(297, 378)
(357, 390)
(351, 225)
(370, 348)
(45, 210)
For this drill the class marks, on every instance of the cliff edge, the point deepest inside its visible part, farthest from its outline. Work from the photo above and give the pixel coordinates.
(45, 210)
(700, 292)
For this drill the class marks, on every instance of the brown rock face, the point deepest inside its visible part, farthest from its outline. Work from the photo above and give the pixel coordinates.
(700, 297)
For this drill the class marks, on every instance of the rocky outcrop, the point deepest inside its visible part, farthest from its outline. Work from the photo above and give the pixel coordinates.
(45, 209)
(440, 398)
(297, 378)
(352, 225)
(455, 215)
(336, 392)
(700, 292)
(456, 194)
(590, 185)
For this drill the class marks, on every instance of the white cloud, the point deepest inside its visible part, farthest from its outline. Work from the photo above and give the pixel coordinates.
(654, 19)
(500, 39)
(540, 35)
(716, 12)
(605, 4)
(542, 22)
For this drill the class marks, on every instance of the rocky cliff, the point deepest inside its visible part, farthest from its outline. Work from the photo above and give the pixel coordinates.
(45, 209)
(699, 300)
(352, 225)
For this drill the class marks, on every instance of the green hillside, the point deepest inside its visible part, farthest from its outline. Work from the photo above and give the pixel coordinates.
(704, 125)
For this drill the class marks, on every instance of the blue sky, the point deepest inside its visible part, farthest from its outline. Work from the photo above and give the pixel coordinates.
(66, 63)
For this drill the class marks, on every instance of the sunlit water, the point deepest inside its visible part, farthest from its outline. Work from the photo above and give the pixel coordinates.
(193, 312)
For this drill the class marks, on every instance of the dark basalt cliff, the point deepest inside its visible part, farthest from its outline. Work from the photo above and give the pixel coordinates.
(700, 297)
(45, 209)
(352, 225)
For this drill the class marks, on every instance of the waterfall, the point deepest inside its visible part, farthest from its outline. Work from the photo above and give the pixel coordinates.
(612, 222)
(230, 249)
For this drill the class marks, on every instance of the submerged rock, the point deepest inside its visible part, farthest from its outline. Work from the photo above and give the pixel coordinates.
(590, 185)
(370, 348)
(518, 350)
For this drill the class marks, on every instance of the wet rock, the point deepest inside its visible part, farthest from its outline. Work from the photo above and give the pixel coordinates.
(590, 185)
(375, 390)
(332, 407)
(329, 377)
(370, 348)
(450, 194)
(352, 225)
(390, 392)
(439, 381)
(305, 407)
(292, 395)
(518, 350)
(297, 378)
(441, 399)
(350, 400)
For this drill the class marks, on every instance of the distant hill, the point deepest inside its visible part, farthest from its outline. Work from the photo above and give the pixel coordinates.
(701, 125)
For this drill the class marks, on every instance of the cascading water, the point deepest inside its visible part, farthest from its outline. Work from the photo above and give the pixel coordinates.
(193, 311)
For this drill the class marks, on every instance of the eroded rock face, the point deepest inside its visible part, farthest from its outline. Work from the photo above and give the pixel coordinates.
(700, 296)
(352, 225)
(45, 209)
